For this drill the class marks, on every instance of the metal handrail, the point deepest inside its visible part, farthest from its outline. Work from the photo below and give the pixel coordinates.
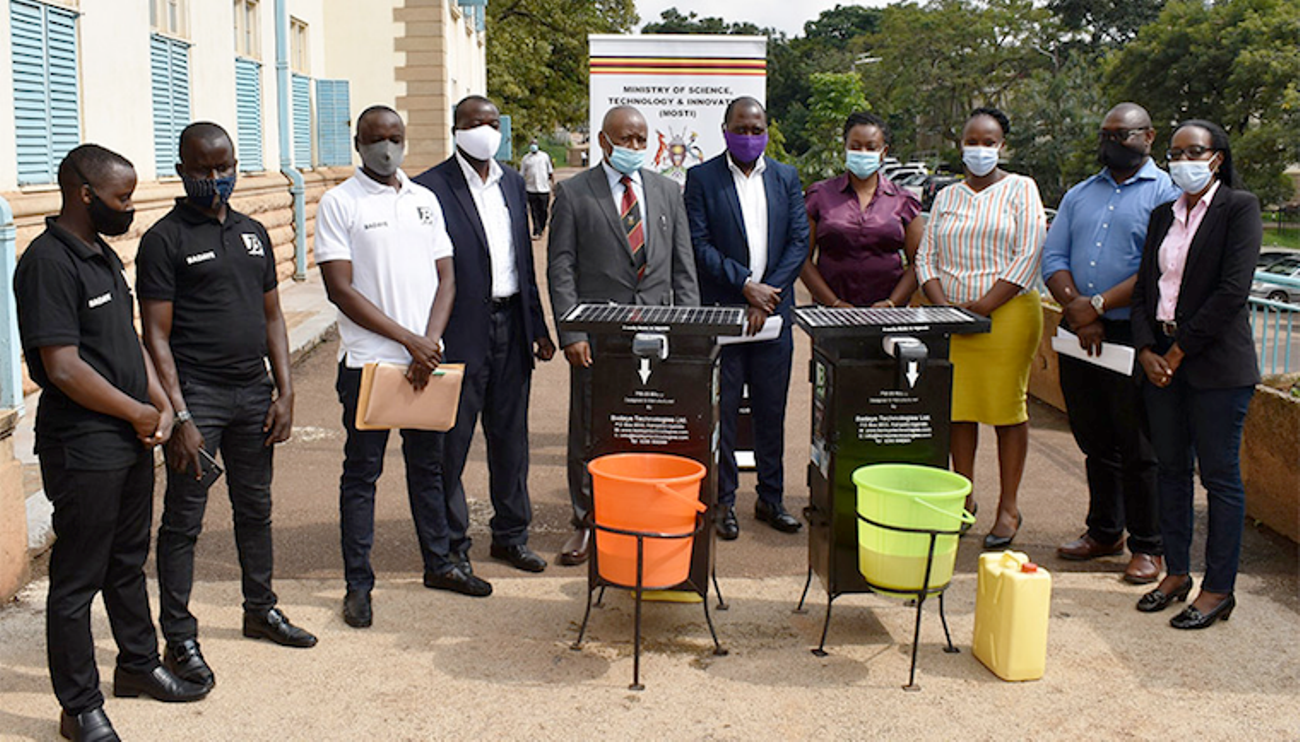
(1273, 324)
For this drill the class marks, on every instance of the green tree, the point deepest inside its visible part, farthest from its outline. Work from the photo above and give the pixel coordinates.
(671, 21)
(537, 58)
(1237, 63)
(1105, 23)
(1055, 114)
(832, 97)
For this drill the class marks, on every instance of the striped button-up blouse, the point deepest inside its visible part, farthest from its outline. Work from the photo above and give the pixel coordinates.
(973, 239)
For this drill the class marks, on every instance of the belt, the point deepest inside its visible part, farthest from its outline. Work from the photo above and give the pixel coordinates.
(504, 303)
(1170, 329)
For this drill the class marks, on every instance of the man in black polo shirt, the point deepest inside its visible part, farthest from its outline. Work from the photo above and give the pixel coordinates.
(206, 278)
(101, 410)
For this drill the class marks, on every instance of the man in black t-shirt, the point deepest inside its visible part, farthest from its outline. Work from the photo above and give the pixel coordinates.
(206, 278)
(101, 410)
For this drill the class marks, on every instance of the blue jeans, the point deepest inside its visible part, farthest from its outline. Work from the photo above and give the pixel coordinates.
(363, 462)
(1203, 426)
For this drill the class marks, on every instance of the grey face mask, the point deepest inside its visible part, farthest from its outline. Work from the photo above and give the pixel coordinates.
(382, 157)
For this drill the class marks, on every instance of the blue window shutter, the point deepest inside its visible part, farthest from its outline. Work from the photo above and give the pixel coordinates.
(505, 151)
(333, 134)
(248, 113)
(301, 121)
(47, 119)
(169, 62)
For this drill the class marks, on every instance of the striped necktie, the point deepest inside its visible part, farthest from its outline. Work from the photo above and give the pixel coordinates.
(630, 213)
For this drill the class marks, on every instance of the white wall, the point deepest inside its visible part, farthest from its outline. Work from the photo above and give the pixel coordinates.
(360, 39)
(116, 101)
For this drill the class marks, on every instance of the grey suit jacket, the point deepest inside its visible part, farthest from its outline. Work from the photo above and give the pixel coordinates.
(588, 260)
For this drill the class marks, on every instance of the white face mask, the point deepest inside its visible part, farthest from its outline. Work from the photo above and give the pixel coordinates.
(480, 143)
(980, 161)
(1191, 175)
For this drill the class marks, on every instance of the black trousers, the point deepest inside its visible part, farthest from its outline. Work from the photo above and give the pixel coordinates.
(579, 443)
(765, 367)
(230, 419)
(537, 205)
(1108, 419)
(101, 521)
(498, 388)
(363, 462)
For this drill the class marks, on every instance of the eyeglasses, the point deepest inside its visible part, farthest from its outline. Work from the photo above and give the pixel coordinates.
(1120, 135)
(1194, 152)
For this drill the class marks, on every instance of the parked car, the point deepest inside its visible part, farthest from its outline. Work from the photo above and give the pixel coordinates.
(1269, 257)
(932, 185)
(911, 182)
(1286, 267)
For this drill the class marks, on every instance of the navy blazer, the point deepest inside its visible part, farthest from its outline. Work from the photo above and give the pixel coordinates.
(467, 335)
(1212, 313)
(718, 232)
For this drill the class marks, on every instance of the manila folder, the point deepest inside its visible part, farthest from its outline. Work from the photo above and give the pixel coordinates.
(387, 400)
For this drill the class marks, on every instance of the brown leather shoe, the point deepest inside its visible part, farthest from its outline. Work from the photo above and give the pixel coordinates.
(1086, 547)
(576, 550)
(1143, 569)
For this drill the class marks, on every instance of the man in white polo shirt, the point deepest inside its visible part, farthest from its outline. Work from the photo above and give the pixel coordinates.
(387, 263)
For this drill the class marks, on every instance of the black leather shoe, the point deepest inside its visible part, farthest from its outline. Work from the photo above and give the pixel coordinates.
(159, 684)
(519, 557)
(776, 516)
(577, 549)
(186, 662)
(454, 579)
(727, 525)
(993, 542)
(1157, 601)
(356, 609)
(87, 726)
(1191, 618)
(274, 625)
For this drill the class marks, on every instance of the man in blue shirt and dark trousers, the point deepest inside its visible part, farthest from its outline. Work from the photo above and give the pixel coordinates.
(1090, 264)
(749, 229)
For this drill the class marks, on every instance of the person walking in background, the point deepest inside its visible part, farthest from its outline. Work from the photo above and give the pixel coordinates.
(1090, 263)
(205, 266)
(749, 228)
(1191, 326)
(101, 411)
(860, 227)
(386, 260)
(618, 234)
(981, 252)
(496, 329)
(539, 176)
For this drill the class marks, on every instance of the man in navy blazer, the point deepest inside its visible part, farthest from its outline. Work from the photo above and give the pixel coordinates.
(496, 328)
(749, 230)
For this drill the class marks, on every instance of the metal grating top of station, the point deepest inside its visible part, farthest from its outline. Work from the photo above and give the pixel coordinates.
(698, 320)
(869, 316)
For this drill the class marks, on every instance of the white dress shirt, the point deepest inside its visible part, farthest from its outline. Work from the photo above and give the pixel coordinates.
(536, 168)
(753, 209)
(495, 217)
(616, 188)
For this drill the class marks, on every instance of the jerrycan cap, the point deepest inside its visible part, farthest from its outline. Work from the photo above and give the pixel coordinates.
(1029, 568)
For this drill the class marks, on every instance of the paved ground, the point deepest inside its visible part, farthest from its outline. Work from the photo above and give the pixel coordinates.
(440, 666)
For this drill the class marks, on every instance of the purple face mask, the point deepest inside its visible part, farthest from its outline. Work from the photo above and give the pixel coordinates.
(745, 148)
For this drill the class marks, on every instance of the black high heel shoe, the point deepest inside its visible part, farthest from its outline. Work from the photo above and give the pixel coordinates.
(973, 509)
(1156, 600)
(1192, 618)
(993, 543)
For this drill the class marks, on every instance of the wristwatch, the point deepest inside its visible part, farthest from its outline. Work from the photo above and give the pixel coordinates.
(1098, 303)
(183, 417)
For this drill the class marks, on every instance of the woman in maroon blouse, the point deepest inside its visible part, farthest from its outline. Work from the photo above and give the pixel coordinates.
(859, 223)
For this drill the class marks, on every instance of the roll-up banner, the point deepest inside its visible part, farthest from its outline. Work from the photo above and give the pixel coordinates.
(681, 84)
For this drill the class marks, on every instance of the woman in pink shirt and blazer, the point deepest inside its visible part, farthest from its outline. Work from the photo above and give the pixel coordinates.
(1192, 330)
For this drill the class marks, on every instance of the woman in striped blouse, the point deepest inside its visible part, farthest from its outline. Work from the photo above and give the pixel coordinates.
(981, 251)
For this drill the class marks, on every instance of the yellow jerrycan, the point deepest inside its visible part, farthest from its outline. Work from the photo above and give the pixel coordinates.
(1012, 605)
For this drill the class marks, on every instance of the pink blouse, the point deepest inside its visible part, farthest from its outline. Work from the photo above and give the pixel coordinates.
(1174, 248)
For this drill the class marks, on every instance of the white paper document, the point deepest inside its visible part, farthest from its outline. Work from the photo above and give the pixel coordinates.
(1116, 357)
(771, 329)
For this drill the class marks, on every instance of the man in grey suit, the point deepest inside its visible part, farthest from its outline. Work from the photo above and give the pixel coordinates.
(618, 234)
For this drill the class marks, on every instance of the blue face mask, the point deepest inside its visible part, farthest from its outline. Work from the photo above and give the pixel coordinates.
(980, 161)
(209, 193)
(1191, 175)
(626, 160)
(862, 164)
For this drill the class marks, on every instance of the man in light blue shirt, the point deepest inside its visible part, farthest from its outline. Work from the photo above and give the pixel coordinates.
(1090, 263)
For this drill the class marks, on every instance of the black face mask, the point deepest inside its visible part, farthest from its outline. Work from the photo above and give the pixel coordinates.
(1118, 157)
(106, 220)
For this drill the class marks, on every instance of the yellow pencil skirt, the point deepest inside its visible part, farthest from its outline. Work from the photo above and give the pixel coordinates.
(990, 372)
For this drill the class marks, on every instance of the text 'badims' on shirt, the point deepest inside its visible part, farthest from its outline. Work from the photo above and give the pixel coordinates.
(216, 275)
(69, 293)
(393, 238)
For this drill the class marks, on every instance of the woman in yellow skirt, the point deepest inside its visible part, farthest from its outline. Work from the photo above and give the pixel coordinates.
(981, 252)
